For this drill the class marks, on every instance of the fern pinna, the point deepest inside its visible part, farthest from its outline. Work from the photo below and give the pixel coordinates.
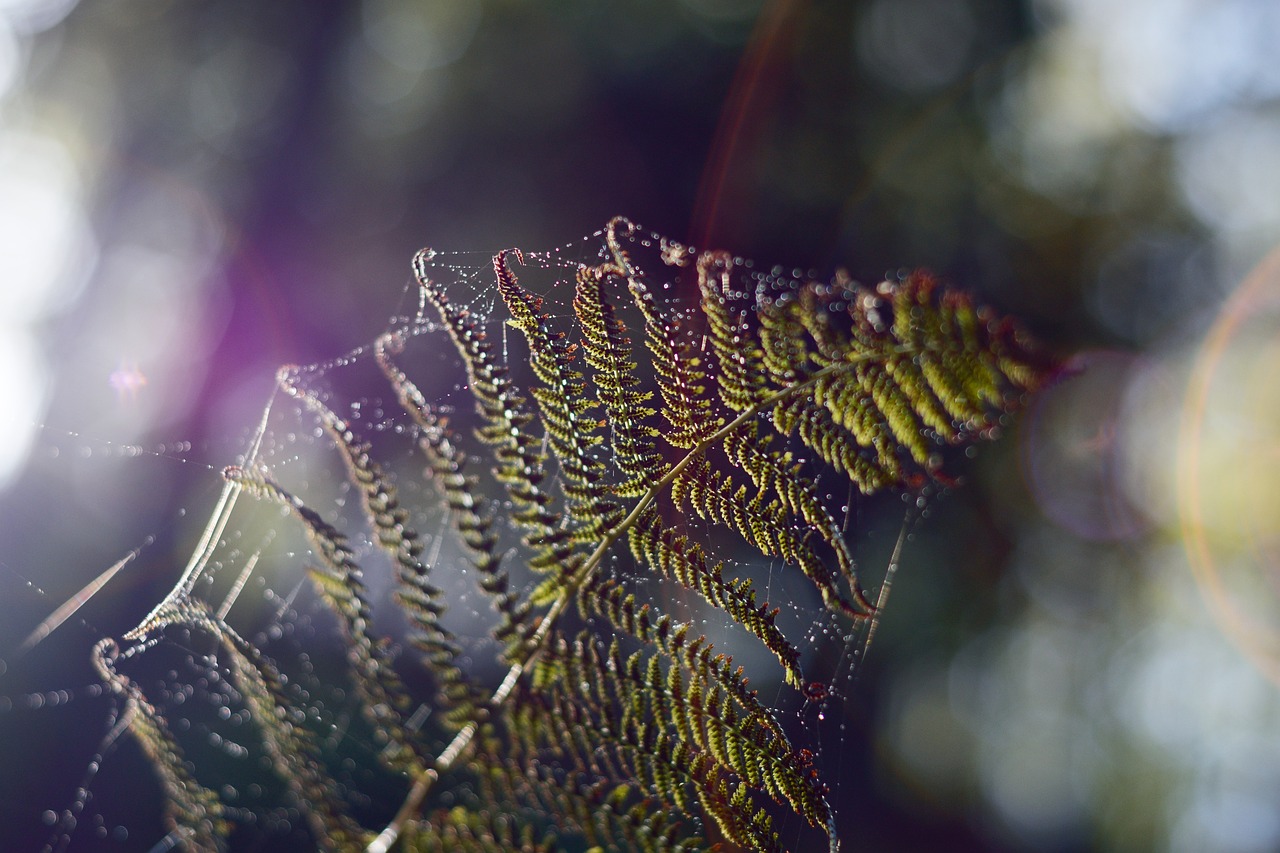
(629, 438)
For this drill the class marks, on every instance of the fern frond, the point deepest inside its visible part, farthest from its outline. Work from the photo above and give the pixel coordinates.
(672, 554)
(686, 407)
(472, 519)
(565, 410)
(460, 830)
(743, 398)
(837, 447)
(741, 374)
(381, 504)
(289, 744)
(871, 398)
(779, 474)
(760, 520)
(339, 580)
(659, 729)
(191, 809)
(520, 461)
(609, 353)
(760, 752)
(611, 816)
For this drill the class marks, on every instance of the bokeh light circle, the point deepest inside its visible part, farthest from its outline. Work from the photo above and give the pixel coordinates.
(1228, 467)
(1073, 449)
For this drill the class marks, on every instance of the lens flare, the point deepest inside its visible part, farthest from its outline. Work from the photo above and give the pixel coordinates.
(1227, 467)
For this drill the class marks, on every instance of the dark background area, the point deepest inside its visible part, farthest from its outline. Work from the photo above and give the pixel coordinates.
(1079, 651)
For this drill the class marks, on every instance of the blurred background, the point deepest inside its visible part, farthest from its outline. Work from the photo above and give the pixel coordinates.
(1081, 651)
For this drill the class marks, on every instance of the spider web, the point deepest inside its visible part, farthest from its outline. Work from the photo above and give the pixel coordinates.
(249, 565)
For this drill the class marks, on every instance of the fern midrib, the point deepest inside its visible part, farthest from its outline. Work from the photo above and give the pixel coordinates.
(463, 739)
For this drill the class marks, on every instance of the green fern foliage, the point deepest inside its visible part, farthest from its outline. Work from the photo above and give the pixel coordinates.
(193, 811)
(626, 430)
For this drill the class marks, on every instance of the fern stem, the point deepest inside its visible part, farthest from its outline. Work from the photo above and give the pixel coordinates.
(462, 740)
(382, 843)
